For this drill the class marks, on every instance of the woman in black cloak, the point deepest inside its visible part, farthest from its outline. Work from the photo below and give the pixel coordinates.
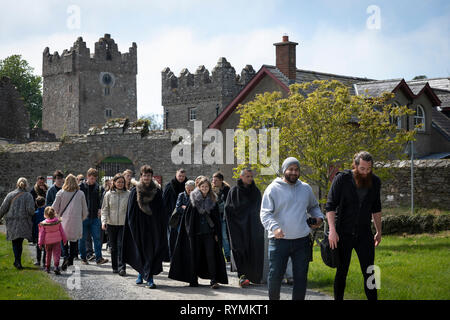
(198, 250)
(145, 238)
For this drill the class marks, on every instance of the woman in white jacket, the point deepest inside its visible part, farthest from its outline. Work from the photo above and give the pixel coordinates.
(114, 211)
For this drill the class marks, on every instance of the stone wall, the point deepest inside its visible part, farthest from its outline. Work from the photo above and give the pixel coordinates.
(431, 184)
(77, 153)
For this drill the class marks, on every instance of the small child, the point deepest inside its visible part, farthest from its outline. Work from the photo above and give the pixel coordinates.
(51, 233)
(37, 218)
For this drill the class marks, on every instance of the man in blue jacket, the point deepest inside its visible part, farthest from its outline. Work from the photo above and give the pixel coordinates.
(285, 207)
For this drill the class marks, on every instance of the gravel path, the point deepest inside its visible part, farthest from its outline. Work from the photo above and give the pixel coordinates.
(93, 282)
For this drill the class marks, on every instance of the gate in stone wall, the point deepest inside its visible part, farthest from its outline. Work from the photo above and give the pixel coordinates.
(110, 166)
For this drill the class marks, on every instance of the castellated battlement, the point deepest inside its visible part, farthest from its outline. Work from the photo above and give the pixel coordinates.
(78, 58)
(203, 85)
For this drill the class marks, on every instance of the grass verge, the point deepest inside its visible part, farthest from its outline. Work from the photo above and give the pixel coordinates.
(31, 283)
(413, 267)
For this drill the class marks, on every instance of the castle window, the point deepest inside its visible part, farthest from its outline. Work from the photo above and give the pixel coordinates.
(419, 118)
(70, 88)
(192, 114)
(107, 91)
(166, 120)
(108, 113)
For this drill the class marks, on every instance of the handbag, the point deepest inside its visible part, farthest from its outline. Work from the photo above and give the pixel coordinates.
(329, 256)
(174, 219)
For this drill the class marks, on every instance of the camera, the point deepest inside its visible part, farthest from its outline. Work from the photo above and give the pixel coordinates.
(311, 221)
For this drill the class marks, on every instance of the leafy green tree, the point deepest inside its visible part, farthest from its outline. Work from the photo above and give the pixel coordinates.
(323, 126)
(28, 85)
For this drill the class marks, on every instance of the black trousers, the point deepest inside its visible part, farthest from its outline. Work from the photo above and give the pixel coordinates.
(115, 237)
(40, 254)
(71, 251)
(17, 245)
(363, 243)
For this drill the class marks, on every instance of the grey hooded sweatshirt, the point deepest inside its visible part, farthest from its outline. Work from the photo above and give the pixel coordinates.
(287, 207)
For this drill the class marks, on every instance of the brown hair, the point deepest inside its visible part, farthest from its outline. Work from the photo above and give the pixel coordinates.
(70, 184)
(92, 172)
(146, 169)
(58, 174)
(362, 155)
(218, 175)
(128, 171)
(117, 177)
(40, 201)
(49, 212)
(197, 180)
(202, 180)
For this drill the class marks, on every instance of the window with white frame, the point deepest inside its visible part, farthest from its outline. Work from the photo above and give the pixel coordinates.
(192, 114)
(419, 117)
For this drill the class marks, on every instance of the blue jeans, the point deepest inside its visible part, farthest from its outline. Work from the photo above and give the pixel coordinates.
(279, 252)
(225, 242)
(94, 226)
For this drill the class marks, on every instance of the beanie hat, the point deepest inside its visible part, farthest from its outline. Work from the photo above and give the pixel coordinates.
(289, 161)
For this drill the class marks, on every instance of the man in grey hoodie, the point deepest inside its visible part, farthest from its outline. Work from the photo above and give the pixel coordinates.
(286, 204)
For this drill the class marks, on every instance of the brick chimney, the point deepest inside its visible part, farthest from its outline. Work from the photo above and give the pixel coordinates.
(285, 58)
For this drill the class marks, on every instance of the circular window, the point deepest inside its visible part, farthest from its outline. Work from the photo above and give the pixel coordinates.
(107, 79)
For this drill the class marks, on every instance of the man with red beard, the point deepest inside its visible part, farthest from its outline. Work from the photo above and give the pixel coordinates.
(353, 200)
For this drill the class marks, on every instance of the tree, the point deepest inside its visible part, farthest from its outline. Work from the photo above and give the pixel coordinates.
(28, 85)
(421, 77)
(156, 121)
(323, 126)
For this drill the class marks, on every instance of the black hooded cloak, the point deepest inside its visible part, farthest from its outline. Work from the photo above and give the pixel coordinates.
(145, 237)
(187, 263)
(170, 196)
(242, 211)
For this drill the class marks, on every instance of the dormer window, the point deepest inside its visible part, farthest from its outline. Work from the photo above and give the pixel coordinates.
(419, 118)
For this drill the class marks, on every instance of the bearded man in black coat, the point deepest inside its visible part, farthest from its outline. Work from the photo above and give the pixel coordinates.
(246, 231)
(170, 196)
(145, 238)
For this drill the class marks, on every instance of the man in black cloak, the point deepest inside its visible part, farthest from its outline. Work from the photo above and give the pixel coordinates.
(145, 237)
(246, 231)
(170, 196)
(198, 250)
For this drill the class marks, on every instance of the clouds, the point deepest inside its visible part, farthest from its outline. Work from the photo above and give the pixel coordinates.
(185, 34)
(379, 54)
(179, 48)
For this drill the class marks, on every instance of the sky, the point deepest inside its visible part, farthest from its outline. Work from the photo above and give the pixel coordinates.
(376, 39)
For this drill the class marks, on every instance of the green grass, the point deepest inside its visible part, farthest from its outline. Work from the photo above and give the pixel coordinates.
(27, 284)
(415, 267)
(407, 211)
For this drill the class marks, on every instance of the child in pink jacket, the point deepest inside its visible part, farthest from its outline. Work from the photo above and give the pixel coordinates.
(51, 233)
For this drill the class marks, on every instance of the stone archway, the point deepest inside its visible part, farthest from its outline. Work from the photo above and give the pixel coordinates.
(111, 165)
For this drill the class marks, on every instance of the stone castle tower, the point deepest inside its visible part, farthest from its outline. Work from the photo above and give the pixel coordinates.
(81, 89)
(200, 96)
